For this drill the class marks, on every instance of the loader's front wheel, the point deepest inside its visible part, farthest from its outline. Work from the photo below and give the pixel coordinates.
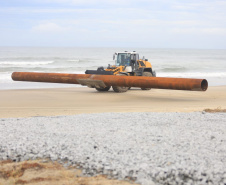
(148, 74)
(103, 89)
(120, 89)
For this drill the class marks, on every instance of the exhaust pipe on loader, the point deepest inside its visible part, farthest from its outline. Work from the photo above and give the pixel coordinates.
(103, 81)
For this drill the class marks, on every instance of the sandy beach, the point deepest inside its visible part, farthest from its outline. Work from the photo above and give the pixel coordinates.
(70, 101)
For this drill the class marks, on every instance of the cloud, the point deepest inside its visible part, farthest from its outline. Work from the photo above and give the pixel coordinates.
(93, 2)
(197, 31)
(101, 21)
(49, 28)
(32, 10)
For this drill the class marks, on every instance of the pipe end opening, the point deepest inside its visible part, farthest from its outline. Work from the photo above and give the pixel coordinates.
(204, 85)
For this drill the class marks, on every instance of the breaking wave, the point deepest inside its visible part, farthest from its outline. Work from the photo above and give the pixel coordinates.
(195, 74)
(19, 63)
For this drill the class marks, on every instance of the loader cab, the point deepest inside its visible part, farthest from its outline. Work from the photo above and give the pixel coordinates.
(126, 58)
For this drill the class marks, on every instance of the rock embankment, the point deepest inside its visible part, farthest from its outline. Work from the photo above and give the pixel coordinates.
(149, 148)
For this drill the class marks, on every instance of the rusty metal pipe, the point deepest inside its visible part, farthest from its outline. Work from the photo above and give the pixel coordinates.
(48, 77)
(112, 80)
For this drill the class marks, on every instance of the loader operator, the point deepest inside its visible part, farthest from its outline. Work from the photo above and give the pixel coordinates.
(125, 61)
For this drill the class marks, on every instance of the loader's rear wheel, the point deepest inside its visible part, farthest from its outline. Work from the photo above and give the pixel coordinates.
(120, 89)
(149, 74)
(103, 89)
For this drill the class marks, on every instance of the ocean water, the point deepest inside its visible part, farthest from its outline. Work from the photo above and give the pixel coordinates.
(183, 63)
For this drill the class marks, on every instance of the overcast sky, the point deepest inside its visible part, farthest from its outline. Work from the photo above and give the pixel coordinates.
(114, 23)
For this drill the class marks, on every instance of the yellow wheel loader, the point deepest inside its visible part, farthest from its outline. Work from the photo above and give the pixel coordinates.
(126, 63)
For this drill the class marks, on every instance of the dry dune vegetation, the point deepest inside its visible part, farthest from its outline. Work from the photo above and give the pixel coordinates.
(44, 172)
(219, 109)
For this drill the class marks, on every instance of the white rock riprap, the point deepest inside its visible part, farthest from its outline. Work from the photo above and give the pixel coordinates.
(152, 148)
